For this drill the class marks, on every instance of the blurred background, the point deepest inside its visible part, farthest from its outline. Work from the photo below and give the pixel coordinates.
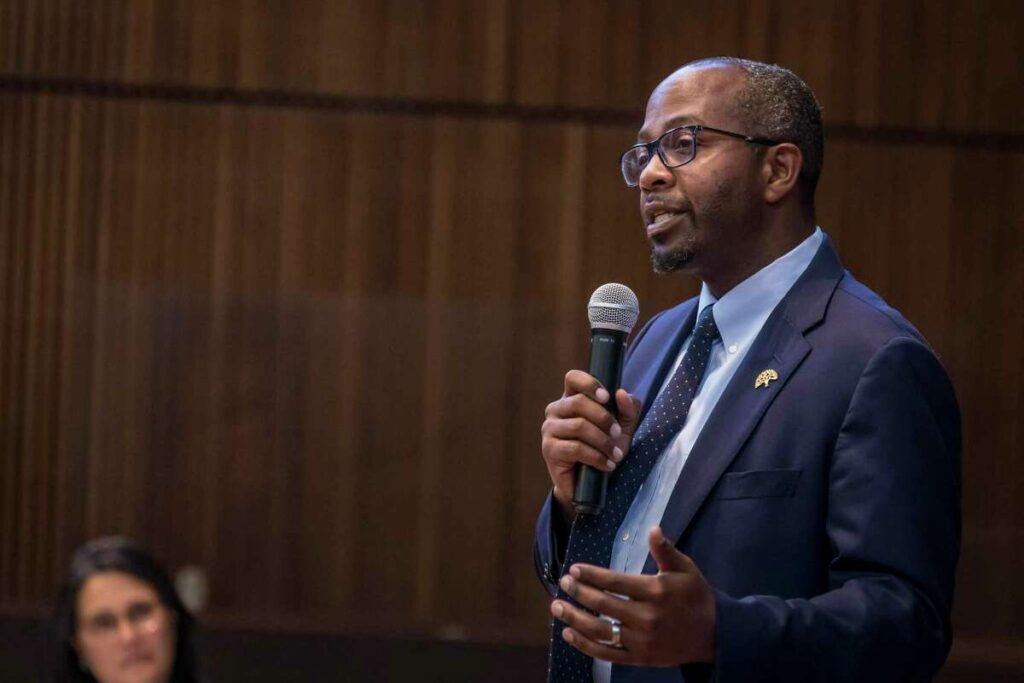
(286, 286)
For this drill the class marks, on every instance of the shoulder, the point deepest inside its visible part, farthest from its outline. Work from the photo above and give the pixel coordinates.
(864, 343)
(858, 324)
(857, 303)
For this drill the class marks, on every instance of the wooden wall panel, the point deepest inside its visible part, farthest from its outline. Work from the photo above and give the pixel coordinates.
(208, 339)
(917, 64)
(306, 343)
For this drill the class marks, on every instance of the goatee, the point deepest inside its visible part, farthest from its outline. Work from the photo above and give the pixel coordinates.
(666, 261)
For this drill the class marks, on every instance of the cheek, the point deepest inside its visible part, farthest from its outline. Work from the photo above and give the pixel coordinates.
(164, 645)
(101, 659)
(725, 197)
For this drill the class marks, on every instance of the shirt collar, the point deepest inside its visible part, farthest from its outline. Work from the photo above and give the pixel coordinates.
(742, 310)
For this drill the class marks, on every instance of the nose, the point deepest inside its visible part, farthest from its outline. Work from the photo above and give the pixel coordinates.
(127, 631)
(655, 174)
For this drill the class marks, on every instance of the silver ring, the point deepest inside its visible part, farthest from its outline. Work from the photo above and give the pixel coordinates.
(616, 640)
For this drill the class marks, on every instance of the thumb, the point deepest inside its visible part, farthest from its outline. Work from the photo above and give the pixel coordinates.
(665, 554)
(629, 411)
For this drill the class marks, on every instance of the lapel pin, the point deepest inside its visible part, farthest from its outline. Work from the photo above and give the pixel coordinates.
(765, 377)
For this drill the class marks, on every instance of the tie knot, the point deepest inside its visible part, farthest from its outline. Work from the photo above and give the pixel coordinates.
(706, 327)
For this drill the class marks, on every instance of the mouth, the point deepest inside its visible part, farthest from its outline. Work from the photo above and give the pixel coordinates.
(136, 659)
(660, 221)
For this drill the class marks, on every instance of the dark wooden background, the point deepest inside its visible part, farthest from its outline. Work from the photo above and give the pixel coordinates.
(286, 285)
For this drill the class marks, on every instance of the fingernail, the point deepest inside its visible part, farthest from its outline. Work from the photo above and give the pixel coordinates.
(575, 571)
(557, 609)
(615, 431)
(611, 464)
(567, 635)
(565, 583)
(602, 395)
(617, 454)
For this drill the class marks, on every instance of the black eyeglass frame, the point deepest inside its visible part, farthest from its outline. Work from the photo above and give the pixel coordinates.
(654, 147)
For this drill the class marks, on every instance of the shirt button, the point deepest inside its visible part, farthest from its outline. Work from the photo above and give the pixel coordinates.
(625, 536)
(732, 348)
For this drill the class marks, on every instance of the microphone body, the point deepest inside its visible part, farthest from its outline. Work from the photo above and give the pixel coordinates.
(607, 351)
(613, 310)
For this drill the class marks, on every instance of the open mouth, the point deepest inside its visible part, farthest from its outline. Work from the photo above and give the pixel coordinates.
(661, 221)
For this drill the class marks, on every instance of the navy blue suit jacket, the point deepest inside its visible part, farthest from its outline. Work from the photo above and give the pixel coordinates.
(823, 509)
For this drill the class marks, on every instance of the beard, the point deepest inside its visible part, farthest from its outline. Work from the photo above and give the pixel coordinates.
(676, 253)
(665, 261)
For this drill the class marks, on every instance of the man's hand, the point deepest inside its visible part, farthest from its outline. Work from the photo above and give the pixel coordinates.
(667, 620)
(577, 428)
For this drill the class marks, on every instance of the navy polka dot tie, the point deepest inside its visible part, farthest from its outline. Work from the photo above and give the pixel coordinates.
(592, 536)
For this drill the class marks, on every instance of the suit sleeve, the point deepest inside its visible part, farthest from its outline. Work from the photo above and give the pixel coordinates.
(893, 523)
(549, 546)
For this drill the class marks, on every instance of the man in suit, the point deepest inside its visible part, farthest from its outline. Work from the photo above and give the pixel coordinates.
(796, 518)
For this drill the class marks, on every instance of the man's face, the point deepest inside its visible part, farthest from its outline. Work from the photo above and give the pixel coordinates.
(696, 216)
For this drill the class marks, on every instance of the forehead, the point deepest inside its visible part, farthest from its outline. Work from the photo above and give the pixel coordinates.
(706, 94)
(112, 591)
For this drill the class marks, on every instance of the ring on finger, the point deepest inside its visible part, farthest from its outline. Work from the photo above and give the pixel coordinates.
(616, 639)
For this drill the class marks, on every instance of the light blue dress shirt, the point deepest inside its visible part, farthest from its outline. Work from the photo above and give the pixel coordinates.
(740, 314)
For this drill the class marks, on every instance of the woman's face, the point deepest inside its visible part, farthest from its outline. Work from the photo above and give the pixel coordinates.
(124, 634)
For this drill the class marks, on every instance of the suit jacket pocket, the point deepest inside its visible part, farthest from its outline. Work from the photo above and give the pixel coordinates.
(756, 484)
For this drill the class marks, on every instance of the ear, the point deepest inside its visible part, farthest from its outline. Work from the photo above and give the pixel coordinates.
(781, 171)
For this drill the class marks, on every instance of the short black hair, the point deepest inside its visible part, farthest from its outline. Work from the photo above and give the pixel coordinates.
(115, 553)
(777, 104)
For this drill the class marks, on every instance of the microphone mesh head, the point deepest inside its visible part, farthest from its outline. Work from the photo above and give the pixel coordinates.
(613, 306)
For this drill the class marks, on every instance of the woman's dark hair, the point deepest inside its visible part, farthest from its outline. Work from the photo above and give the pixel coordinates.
(120, 555)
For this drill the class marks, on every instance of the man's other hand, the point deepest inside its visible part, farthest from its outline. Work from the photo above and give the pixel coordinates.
(664, 620)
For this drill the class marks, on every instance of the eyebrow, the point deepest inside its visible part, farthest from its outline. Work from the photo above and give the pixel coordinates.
(675, 122)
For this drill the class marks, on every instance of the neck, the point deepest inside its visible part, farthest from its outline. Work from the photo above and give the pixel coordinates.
(761, 247)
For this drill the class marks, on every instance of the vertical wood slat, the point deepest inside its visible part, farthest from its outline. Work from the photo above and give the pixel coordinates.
(25, 360)
(67, 420)
(442, 169)
(8, 256)
(47, 241)
(12, 284)
(228, 128)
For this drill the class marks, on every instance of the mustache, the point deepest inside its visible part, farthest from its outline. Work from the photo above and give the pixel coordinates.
(670, 203)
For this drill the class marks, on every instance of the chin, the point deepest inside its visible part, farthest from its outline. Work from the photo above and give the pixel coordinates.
(667, 260)
(147, 673)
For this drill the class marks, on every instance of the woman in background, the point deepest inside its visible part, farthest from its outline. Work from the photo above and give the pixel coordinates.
(119, 619)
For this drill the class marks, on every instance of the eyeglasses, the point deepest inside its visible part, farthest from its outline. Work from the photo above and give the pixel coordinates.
(142, 616)
(675, 148)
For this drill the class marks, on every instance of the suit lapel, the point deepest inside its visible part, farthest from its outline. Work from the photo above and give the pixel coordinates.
(780, 346)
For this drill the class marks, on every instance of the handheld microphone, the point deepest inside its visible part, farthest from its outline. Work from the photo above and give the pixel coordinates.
(613, 310)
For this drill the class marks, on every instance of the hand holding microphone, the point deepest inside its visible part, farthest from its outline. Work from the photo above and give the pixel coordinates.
(587, 432)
